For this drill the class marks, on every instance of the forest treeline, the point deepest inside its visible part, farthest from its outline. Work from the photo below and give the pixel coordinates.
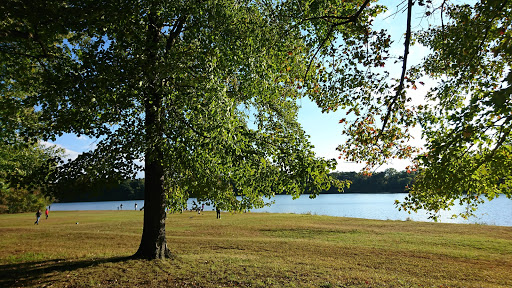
(131, 189)
(389, 181)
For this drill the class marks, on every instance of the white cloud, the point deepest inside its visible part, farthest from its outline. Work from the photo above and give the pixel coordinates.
(88, 143)
(69, 154)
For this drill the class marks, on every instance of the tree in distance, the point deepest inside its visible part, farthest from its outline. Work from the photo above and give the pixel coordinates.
(24, 172)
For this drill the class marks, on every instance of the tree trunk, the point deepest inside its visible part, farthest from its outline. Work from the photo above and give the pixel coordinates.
(153, 244)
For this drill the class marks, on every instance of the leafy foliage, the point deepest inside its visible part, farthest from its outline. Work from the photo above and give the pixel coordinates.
(222, 76)
(469, 131)
(24, 176)
(467, 123)
(206, 93)
(355, 79)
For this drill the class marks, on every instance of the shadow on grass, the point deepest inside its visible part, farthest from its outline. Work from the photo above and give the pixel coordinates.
(28, 273)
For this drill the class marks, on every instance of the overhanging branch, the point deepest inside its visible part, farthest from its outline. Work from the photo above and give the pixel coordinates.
(347, 20)
(400, 87)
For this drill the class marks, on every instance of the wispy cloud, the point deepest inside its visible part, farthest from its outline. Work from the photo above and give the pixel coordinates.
(87, 143)
(69, 154)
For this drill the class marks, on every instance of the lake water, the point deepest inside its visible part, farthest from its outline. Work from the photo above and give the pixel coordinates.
(369, 206)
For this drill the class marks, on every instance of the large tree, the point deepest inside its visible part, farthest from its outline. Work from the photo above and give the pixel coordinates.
(204, 92)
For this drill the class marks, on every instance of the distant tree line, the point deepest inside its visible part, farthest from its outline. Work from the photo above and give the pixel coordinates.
(131, 189)
(389, 181)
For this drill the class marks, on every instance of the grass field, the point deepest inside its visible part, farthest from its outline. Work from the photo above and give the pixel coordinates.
(251, 250)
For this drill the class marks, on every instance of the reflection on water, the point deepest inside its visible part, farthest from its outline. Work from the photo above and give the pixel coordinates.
(369, 206)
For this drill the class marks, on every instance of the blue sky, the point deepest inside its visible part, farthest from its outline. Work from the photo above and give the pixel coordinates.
(324, 129)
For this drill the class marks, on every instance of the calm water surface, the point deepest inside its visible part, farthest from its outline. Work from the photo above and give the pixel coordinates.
(369, 206)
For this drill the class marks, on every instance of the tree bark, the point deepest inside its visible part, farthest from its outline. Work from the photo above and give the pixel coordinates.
(153, 244)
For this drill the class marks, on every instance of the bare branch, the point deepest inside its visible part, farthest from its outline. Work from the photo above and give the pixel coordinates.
(331, 29)
(404, 69)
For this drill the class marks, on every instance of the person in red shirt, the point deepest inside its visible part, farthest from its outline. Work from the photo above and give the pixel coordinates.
(46, 213)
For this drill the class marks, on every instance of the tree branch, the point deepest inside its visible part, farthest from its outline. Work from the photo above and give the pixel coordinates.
(348, 19)
(486, 34)
(404, 70)
(177, 29)
(331, 29)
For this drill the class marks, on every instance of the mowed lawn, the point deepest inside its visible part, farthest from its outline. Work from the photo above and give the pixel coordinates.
(251, 250)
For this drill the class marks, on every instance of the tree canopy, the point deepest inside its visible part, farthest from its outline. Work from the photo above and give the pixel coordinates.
(468, 132)
(204, 93)
(466, 116)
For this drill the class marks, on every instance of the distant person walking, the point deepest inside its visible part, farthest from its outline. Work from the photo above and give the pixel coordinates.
(218, 212)
(121, 206)
(135, 206)
(38, 215)
(46, 213)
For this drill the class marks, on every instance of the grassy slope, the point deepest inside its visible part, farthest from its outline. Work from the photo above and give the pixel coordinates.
(257, 250)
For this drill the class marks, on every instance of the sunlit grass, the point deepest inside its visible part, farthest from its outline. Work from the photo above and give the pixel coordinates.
(251, 250)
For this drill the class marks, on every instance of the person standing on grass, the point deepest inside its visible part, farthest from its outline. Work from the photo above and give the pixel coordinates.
(46, 213)
(38, 215)
(135, 206)
(218, 212)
